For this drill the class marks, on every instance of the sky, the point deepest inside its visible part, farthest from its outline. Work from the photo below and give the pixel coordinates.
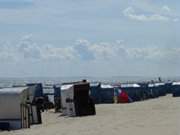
(54, 38)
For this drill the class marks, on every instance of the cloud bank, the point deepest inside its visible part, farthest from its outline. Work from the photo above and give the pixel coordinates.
(83, 58)
(163, 16)
(83, 50)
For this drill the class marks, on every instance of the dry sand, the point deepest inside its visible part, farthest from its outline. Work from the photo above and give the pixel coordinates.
(159, 116)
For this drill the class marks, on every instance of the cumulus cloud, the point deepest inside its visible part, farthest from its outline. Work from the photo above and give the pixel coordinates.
(99, 51)
(130, 13)
(119, 51)
(84, 50)
(27, 49)
(50, 52)
(166, 8)
(176, 19)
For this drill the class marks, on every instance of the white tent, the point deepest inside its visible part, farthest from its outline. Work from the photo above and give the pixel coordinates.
(14, 108)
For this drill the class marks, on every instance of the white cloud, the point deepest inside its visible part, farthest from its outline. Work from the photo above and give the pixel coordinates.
(120, 52)
(84, 50)
(56, 53)
(27, 49)
(176, 19)
(100, 51)
(165, 8)
(154, 7)
(97, 58)
(131, 14)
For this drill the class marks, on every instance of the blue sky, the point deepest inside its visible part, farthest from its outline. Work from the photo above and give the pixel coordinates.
(89, 38)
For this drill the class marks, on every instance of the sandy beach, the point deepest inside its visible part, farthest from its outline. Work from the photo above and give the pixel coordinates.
(159, 116)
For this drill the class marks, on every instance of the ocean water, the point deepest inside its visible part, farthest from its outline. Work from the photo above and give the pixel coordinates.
(9, 82)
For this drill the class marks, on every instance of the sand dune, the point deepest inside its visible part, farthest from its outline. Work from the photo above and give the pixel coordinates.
(159, 116)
